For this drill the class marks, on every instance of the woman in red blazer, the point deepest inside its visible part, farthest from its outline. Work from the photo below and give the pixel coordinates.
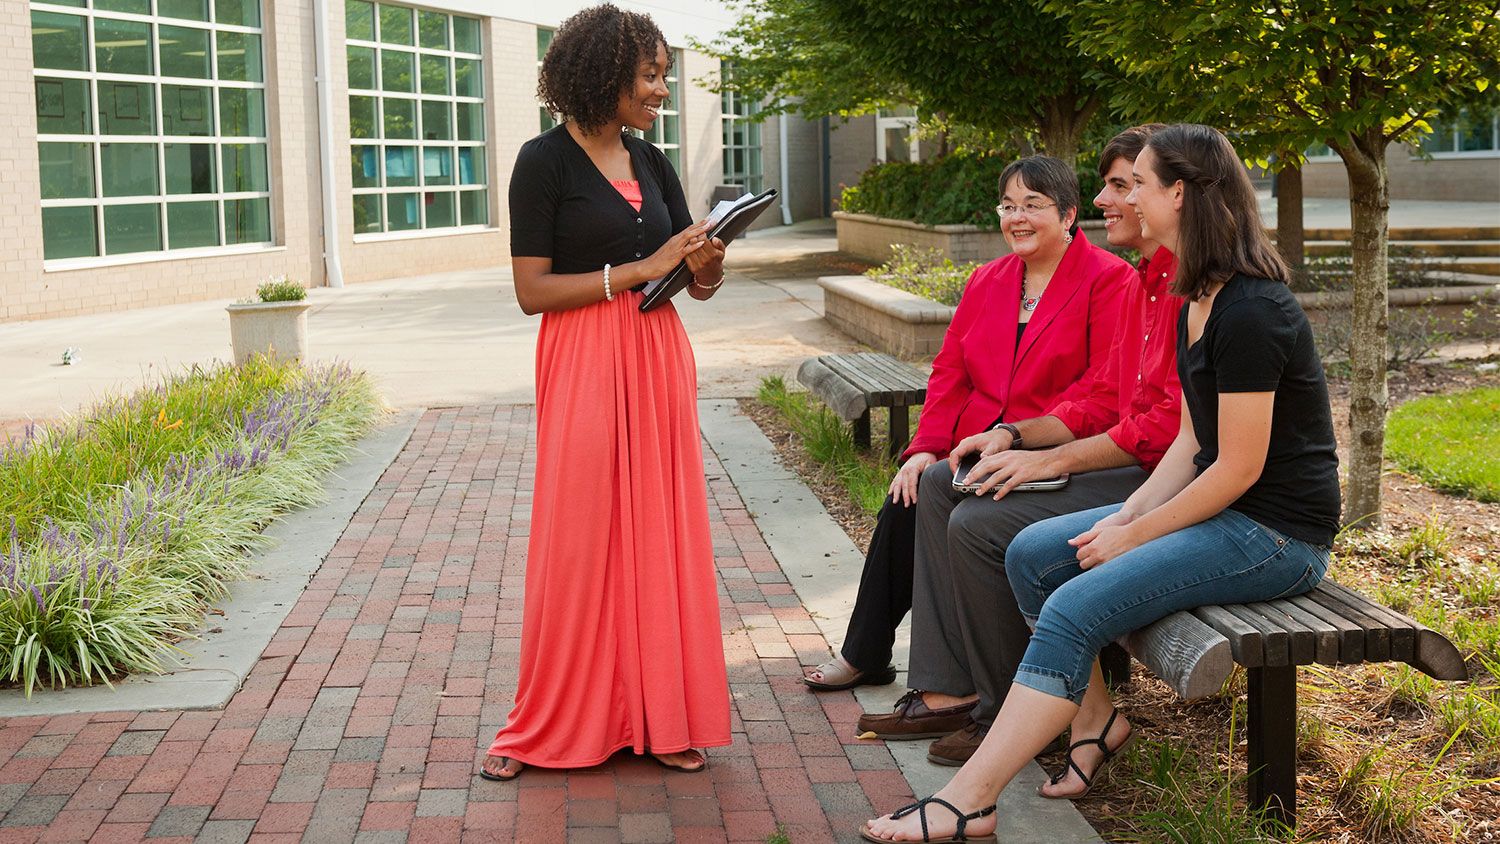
(1028, 333)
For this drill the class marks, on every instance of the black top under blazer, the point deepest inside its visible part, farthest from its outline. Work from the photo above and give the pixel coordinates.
(563, 208)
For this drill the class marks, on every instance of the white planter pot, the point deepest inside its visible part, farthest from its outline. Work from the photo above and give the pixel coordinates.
(269, 328)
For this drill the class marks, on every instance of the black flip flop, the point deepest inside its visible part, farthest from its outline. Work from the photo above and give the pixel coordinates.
(504, 761)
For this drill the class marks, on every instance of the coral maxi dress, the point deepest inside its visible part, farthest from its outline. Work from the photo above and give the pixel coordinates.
(620, 643)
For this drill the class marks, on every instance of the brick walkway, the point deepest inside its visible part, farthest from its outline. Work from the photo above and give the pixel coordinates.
(366, 716)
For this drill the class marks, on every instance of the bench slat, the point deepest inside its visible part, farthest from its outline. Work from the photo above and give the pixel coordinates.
(1191, 657)
(1300, 639)
(1351, 635)
(1433, 654)
(905, 384)
(843, 398)
(851, 372)
(1244, 640)
(878, 391)
(1403, 629)
(1325, 636)
(1273, 637)
(1377, 635)
(903, 374)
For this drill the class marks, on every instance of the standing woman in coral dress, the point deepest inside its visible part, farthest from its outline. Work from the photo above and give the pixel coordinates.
(620, 642)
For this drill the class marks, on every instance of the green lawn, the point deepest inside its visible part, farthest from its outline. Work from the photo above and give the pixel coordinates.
(1452, 442)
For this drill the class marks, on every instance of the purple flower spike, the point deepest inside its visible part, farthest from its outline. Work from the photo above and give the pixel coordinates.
(41, 605)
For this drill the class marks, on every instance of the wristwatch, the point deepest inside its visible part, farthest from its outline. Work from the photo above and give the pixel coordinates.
(1015, 433)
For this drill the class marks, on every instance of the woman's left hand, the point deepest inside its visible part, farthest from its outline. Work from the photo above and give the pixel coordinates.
(707, 262)
(1110, 537)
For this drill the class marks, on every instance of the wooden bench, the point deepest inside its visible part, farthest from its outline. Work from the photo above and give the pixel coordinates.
(1195, 651)
(852, 384)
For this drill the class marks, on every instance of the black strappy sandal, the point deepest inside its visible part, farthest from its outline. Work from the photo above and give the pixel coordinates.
(1088, 781)
(920, 807)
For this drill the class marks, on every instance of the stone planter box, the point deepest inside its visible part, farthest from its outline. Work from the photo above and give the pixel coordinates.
(907, 325)
(268, 328)
(884, 318)
(870, 238)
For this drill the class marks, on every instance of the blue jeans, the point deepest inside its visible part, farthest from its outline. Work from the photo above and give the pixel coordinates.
(1228, 559)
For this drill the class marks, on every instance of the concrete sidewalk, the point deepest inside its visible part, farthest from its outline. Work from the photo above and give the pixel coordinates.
(430, 341)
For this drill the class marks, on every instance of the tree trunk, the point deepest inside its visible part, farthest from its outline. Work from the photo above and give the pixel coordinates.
(1061, 126)
(1289, 231)
(1369, 189)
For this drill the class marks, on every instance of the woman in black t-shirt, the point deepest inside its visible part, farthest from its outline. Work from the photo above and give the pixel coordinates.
(1242, 508)
(620, 642)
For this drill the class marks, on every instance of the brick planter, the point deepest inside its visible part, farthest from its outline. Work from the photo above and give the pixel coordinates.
(870, 238)
(884, 318)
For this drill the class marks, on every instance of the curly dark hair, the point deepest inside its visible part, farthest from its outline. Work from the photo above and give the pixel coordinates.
(593, 58)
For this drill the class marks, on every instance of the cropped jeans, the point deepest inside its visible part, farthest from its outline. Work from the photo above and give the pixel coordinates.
(1227, 559)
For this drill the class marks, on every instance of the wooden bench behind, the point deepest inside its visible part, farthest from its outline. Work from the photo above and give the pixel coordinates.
(1195, 652)
(852, 384)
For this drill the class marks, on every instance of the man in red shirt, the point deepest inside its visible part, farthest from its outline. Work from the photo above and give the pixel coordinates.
(968, 635)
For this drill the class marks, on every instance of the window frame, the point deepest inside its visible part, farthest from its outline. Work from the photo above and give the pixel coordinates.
(731, 112)
(381, 143)
(158, 138)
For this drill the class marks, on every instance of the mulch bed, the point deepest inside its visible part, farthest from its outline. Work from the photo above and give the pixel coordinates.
(1357, 710)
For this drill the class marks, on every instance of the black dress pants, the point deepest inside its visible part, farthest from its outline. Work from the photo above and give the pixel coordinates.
(884, 596)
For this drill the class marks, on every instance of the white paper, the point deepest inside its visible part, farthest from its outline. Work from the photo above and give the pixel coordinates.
(722, 210)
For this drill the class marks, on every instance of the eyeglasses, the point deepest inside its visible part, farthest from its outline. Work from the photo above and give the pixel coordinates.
(1030, 209)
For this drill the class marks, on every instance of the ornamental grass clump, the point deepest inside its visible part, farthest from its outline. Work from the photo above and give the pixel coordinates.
(123, 524)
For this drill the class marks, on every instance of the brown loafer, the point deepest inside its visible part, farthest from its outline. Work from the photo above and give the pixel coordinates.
(955, 748)
(911, 719)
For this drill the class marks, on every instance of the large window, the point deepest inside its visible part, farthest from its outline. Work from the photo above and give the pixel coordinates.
(416, 119)
(666, 132)
(1474, 131)
(742, 164)
(151, 125)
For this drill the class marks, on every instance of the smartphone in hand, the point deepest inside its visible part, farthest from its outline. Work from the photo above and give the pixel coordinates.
(963, 483)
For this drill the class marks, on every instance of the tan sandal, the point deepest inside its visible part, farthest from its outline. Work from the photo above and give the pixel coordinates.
(839, 675)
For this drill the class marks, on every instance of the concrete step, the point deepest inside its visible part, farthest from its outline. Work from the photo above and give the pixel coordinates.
(1430, 248)
(1480, 232)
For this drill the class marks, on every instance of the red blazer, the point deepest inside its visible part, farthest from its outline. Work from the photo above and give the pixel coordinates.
(981, 375)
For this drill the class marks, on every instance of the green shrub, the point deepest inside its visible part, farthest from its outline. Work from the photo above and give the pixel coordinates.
(280, 289)
(1451, 442)
(829, 442)
(961, 188)
(926, 272)
(123, 523)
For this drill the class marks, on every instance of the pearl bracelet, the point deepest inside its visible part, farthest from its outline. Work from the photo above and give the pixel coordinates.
(609, 295)
(715, 286)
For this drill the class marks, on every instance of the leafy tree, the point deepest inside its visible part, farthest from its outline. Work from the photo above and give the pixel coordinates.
(1004, 67)
(1358, 75)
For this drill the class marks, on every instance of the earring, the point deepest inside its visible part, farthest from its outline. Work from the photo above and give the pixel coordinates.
(1068, 237)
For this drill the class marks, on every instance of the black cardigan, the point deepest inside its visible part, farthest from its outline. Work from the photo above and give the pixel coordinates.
(563, 208)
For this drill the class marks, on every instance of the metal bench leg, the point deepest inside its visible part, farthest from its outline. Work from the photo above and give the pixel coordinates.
(900, 425)
(1273, 742)
(862, 431)
(1114, 661)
